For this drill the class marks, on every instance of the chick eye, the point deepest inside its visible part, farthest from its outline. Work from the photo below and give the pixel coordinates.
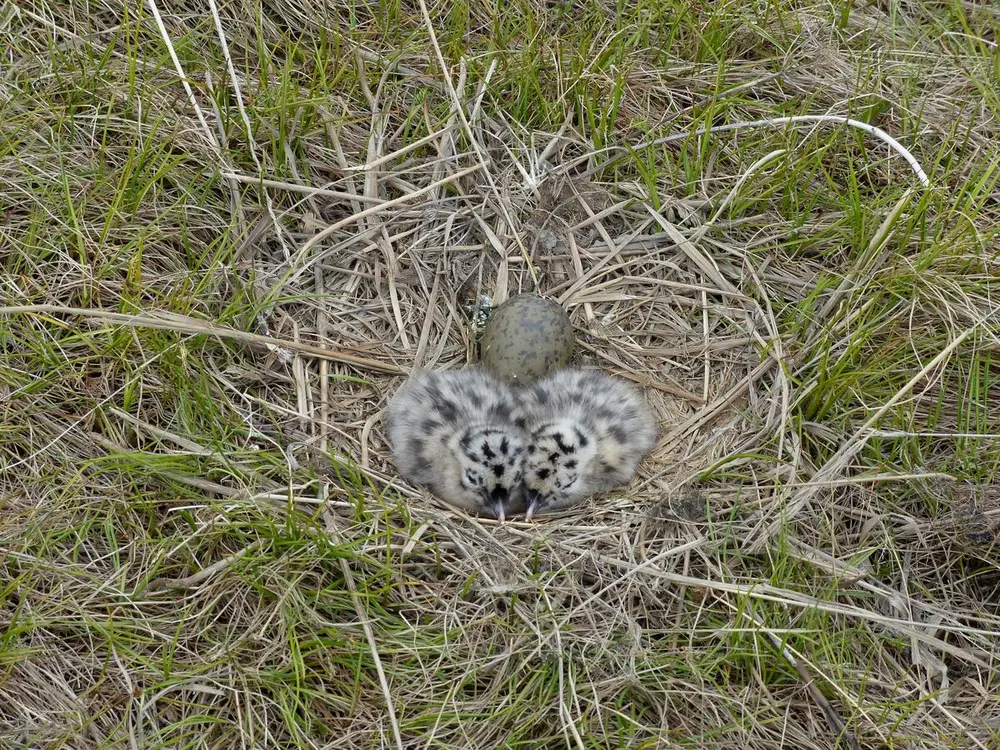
(472, 477)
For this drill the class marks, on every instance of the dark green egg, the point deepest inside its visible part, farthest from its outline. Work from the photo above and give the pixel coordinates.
(525, 338)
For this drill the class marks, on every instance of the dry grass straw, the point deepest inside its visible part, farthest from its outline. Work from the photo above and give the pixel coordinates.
(205, 309)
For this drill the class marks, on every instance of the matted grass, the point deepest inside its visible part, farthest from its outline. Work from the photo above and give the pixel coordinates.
(208, 296)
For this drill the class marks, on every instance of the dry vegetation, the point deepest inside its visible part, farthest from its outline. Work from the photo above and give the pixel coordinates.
(209, 295)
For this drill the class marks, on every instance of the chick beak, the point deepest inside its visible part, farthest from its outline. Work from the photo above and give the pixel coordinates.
(532, 508)
(497, 496)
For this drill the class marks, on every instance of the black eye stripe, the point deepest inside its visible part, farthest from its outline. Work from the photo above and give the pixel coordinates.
(561, 443)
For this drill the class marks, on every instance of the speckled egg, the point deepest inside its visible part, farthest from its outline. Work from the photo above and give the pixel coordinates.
(526, 337)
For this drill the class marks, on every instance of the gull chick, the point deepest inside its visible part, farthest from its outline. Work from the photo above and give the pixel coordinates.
(586, 433)
(460, 434)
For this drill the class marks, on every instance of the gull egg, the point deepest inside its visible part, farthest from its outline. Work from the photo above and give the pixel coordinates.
(525, 338)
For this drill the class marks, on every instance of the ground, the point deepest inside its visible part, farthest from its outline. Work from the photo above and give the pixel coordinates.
(230, 231)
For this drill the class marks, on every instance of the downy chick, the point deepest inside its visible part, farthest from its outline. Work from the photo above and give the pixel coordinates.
(461, 435)
(586, 433)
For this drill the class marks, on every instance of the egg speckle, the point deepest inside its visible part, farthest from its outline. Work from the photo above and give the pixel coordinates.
(525, 338)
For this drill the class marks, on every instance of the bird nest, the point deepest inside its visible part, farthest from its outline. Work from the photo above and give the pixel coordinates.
(651, 298)
(668, 294)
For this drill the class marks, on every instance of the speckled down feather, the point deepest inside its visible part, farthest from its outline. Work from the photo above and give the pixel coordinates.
(460, 434)
(587, 433)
